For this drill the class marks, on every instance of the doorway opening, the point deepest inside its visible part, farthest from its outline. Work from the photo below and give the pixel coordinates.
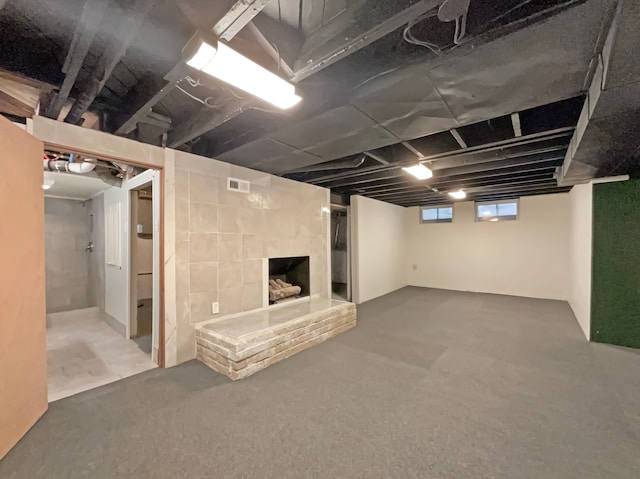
(98, 270)
(340, 253)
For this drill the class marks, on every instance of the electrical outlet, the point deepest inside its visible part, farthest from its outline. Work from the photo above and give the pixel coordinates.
(215, 308)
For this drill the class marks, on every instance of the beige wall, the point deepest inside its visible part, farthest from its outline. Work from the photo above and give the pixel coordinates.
(528, 257)
(580, 250)
(222, 239)
(23, 358)
(378, 238)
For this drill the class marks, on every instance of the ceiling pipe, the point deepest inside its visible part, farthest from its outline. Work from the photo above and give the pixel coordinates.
(342, 165)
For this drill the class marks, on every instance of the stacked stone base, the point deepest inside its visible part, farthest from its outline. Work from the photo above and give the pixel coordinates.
(240, 357)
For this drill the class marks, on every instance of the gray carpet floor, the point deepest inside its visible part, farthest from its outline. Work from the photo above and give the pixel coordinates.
(430, 384)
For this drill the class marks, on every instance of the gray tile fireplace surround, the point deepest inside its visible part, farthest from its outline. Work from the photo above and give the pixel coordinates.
(241, 346)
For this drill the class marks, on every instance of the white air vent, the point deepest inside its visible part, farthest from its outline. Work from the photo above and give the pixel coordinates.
(241, 186)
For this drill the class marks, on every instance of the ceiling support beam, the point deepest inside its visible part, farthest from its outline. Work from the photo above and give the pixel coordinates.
(90, 20)
(154, 94)
(238, 16)
(13, 106)
(458, 138)
(124, 35)
(347, 33)
(374, 156)
(515, 121)
(559, 137)
(144, 96)
(207, 120)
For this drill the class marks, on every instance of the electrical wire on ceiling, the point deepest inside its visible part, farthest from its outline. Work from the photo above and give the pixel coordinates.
(209, 101)
(410, 38)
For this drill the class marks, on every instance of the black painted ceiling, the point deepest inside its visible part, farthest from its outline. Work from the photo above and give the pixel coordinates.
(388, 104)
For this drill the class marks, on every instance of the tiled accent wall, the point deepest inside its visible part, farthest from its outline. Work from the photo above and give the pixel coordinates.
(222, 238)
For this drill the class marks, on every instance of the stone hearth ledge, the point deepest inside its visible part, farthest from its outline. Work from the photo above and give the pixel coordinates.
(238, 357)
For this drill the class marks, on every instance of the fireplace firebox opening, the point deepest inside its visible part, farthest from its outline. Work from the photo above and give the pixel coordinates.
(288, 278)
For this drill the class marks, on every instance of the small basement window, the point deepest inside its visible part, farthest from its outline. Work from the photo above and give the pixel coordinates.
(506, 210)
(436, 214)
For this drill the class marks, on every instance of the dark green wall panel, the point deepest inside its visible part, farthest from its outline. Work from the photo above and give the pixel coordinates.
(615, 300)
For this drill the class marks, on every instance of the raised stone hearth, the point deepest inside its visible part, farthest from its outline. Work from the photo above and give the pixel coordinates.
(241, 346)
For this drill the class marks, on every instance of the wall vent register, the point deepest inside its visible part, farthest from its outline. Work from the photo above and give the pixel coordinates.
(493, 211)
(436, 214)
(241, 186)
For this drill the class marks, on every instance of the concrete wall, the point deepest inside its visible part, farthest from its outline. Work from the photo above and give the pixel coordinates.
(68, 286)
(528, 257)
(580, 254)
(378, 239)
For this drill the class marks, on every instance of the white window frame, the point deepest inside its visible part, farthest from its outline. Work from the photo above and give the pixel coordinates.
(436, 221)
(495, 219)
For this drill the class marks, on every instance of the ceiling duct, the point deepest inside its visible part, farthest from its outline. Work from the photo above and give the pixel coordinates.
(605, 141)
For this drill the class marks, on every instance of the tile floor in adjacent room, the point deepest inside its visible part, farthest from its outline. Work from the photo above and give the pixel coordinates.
(430, 384)
(84, 352)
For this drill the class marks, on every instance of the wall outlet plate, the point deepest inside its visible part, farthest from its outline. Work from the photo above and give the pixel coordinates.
(215, 308)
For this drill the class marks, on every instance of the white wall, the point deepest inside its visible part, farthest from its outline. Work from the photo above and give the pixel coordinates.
(527, 257)
(378, 246)
(580, 243)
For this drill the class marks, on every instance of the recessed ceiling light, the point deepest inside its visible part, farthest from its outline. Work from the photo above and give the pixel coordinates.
(231, 67)
(48, 184)
(458, 195)
(493, 219)
(419, 171)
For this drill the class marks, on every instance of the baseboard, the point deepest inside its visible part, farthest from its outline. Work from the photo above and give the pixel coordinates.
(116, 325)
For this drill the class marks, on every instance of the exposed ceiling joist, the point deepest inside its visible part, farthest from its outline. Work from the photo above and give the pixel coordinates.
(90, 19)
(505, 148)
(373, 155)
(144, 96)
(13, 106)
(238, 16)
(207, 120)
(515, 121)
(354, 30)
(126, 32)
(458, 138)
(227, 26)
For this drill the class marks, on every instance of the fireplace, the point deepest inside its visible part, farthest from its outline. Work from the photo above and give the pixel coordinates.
(288, 279)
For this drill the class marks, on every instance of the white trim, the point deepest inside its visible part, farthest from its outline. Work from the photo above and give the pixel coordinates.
(610, 179)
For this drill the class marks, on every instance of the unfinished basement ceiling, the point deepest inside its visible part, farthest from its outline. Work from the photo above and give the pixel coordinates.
(491, 113)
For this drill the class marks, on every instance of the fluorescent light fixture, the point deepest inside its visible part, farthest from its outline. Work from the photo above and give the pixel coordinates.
(419, 171)
(48, 184)
(231, 67)
(458, 195)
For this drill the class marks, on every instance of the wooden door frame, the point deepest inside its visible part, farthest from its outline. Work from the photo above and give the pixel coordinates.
(161, 173)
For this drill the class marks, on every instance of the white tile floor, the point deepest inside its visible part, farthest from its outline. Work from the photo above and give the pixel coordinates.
(84, 352)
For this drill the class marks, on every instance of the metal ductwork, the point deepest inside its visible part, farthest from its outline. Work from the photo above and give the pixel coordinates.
(606, 141)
